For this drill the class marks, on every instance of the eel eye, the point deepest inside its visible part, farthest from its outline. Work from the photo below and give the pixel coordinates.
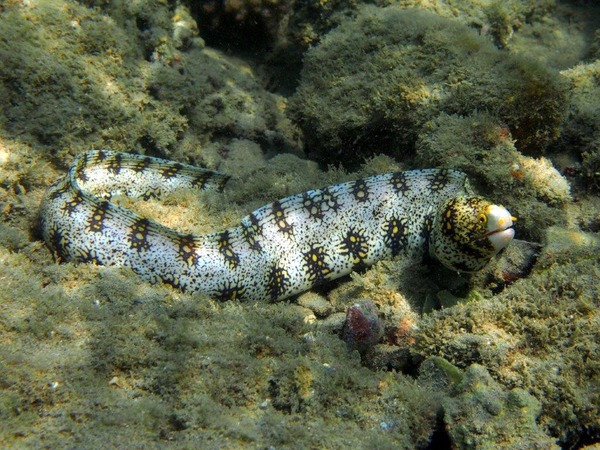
(482, 219)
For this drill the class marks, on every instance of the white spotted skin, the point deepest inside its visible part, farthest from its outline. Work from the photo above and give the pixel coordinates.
(277, 251)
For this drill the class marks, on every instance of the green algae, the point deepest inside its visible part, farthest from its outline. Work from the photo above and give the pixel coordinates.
(93, 357)
(539, 334)
(86, 80)
(581, 133)
(112, 354)
(438, 369)
(482, 147)
(382, 98)
(481, 414)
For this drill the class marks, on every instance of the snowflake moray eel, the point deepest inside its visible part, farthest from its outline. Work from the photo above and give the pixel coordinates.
(280, 249)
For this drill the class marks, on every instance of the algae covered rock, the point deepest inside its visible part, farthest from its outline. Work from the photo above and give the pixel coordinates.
(541, 334)
(131, 77)
(481, 414)
(478, 412)
(375, 80)
(581, 130)
(483, 147)
(92, 357)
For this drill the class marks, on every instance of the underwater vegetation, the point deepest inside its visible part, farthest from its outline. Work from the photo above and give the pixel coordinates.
(506, 91)
(479, 411)
(376, 79)
(138, 80)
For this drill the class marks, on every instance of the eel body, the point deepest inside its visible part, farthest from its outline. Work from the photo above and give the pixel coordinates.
(280, 249)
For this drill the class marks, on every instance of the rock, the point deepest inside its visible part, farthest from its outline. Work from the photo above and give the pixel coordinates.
(481, 414)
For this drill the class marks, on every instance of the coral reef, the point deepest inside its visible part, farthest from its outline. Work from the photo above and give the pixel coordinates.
(581, 130)
(543, 30)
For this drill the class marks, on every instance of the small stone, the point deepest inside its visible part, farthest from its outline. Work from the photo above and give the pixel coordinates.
(265, 404)
(332, 324)
(316, 303)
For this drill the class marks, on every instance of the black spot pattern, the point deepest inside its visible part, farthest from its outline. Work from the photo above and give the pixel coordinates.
(96, 220)
(71, 206)
(356, 245)
(89, 257)
(60, 191)
(283, 226)
(171, 170)
(396, 235)
(150, 194)
(141, 165)
(448, 217)
(329, 200)
(278, 281)
(312, 207)
(187, 249)
(201, 179)
(226, 249)
(57, 242)
(360, 191)
(80, 175)
(114, 164)
(231, 291)
(172, 280)
(138, 237)
(399, 184)
(249, 233)
(315, 265)
(439, 181)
